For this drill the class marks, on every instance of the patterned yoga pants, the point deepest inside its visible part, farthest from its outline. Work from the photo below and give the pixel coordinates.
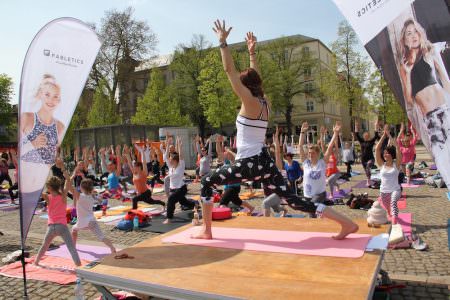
(367, 165)
(389, 202)
(261, 168)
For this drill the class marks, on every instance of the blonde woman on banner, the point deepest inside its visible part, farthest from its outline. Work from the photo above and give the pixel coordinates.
(41, 134)
(426, 99)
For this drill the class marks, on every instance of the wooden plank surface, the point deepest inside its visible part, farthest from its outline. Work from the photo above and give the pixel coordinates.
(248, 274)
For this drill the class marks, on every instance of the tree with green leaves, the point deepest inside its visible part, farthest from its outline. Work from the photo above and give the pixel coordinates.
(186, 65)
(156, 106)
(383, 100)
(6, 109)
(287, 70)
(125, 42)
(352, 68)
(216, 96)
(103, 110)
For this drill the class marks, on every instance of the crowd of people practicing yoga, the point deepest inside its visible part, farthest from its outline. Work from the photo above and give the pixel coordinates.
(250, 156)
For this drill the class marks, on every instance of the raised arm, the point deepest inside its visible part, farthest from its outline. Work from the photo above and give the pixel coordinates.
(77, 154)
(118, 162)
(276, 141)
(336, 129)
(378, 156)
(400, 133)
(179, 147)
(13, 158)
(210, 147)
(240, 90)
(443, 76)
(405, 76)
(219, 149)
(301, 141)
(358, 137)
(67, 184)
(251, 45)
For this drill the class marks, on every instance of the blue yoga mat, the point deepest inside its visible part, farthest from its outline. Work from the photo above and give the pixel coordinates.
(448, 195)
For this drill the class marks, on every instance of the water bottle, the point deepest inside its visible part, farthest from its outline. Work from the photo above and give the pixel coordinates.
(79, 290)
(135, 223)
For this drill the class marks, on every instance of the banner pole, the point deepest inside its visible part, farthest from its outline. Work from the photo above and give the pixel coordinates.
(22, 234)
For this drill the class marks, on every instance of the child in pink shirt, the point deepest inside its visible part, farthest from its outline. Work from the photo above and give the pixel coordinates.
(57, 223)
(408, 149)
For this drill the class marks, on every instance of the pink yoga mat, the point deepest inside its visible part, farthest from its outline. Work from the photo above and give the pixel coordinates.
(405, 185)
(85, 252)
(405, 220)
(53, 269)
(401, 204)
(292, 242)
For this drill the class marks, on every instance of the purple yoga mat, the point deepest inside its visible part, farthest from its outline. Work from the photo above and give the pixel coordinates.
(341, 194)
(360, 185)
(433, 167)
(85, 252)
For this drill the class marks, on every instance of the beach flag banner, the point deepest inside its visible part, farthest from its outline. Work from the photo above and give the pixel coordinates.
(54, 72)
(409, 41)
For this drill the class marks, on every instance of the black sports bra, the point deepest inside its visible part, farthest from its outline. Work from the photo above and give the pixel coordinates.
(421, 76)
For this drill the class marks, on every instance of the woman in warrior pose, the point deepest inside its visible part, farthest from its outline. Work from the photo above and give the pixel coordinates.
(253, 162)
(419, 66)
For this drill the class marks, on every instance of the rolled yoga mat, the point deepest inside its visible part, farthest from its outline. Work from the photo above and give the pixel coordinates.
(291, 242)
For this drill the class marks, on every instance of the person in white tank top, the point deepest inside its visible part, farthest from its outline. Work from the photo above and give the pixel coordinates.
(253, 161)
(390, 163)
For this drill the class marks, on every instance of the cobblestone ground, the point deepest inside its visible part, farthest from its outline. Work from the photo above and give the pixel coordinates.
(426, 274)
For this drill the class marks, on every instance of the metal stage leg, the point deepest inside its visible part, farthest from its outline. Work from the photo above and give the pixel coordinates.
(106, 294)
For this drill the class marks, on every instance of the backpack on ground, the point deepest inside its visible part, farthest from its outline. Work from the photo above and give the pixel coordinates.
(143, 218)
(125, 225)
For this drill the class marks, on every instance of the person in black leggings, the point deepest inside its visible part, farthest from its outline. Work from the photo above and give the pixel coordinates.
(367, 144)
(253, 161)
(178, 188)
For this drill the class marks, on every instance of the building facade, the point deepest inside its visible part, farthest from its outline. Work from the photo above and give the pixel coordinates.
(306, 106)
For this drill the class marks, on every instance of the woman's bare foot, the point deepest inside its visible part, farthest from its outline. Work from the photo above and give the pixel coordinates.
(203, 235)
(167, 221)
(346, 230)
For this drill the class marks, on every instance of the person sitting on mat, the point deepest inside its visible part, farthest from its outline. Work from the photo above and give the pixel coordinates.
(253, 162)
(314, 168)
(86, 220)
(57, 221)
(178, 188)
(390, 188)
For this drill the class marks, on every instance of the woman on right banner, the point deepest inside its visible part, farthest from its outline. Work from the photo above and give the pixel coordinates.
(419, 66)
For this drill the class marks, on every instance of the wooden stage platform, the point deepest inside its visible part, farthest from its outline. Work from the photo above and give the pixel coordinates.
(174, 271)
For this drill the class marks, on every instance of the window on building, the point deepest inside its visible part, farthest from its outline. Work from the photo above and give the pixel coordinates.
(305, 50)
(309, 106)
(307, 72)
(309, 87)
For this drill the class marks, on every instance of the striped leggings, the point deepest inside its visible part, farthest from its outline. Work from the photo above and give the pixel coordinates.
(389, 203)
